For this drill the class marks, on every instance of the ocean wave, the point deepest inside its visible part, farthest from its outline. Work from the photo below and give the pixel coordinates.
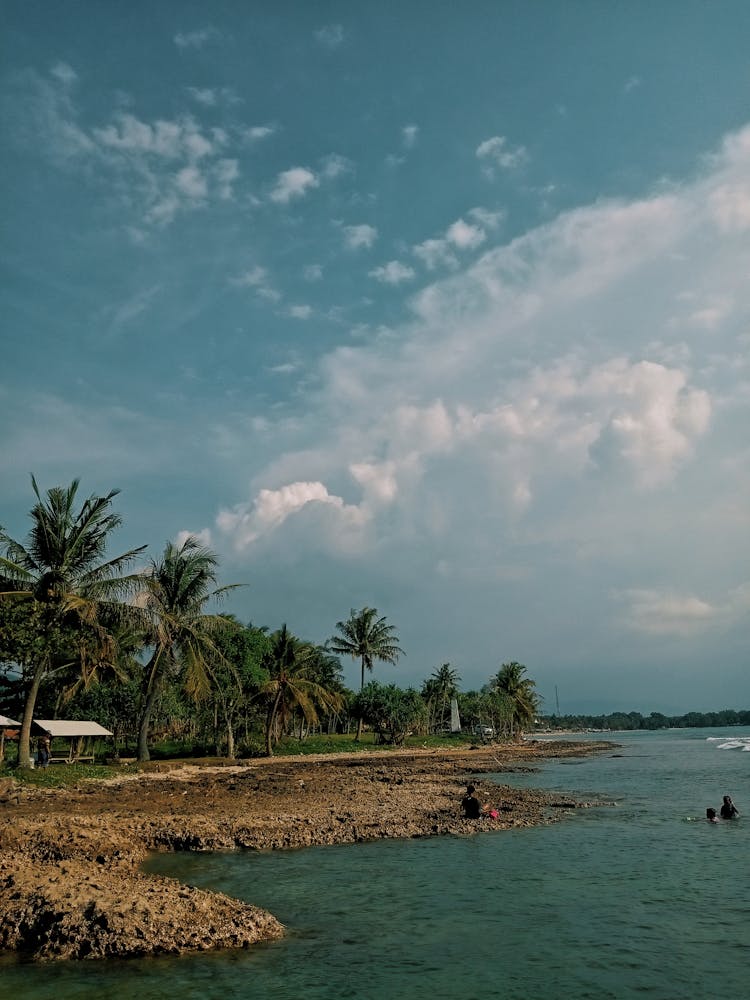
(730, 743)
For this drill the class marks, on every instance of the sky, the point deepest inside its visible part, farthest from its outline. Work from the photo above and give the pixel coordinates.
(442, 309)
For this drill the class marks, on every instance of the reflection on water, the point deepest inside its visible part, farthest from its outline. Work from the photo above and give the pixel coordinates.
(611, 902)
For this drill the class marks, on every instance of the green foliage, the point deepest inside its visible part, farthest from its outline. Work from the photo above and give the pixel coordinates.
(519, 694)
(173, 599)
(71, 593)
(656, 720)
(293, 667)
(391, 711)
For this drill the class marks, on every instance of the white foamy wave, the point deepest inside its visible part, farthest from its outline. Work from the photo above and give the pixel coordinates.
(730, 743)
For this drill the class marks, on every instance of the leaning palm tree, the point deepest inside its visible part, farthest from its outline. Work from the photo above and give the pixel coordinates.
(365, 636)
(520, 694)
(69, 589)
(174, 594)
(292, 666)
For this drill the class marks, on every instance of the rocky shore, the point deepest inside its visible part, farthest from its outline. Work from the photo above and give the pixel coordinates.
(70, 880)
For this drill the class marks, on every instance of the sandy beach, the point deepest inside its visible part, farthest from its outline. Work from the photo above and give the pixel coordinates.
(70, 880)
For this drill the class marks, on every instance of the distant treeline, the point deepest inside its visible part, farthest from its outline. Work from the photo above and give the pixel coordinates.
(634, 720)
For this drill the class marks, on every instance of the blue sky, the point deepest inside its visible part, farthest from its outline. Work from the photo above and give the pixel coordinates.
(444, 310)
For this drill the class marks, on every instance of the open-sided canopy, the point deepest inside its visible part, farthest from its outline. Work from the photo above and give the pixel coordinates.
(58, 727)
(6, 723)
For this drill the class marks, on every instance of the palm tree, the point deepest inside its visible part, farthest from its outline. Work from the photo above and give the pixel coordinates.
(522, 699)
(61, 575)
(368, 637)
(175, 592)
(291, 686)
(438, 689)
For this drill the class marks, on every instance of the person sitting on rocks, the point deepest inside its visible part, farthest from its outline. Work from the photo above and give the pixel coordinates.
(470, 804)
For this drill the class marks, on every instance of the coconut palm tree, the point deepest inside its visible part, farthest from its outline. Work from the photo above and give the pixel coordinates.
(62, 576)
(291, 686)
(437, 691)
(520, 694)
(365, 636)
(175, 592)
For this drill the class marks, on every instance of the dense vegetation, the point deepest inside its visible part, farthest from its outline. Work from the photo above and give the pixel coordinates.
(85, 636)
(656, 720)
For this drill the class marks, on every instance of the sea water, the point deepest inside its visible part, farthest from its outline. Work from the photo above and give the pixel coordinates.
(638, 898)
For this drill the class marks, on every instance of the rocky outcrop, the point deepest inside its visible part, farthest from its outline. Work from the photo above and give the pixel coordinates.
(76, 911)
(70, 879)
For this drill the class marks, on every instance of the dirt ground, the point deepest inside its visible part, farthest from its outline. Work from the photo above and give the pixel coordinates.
(70, 884)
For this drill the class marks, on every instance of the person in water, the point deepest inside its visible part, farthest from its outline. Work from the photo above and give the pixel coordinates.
(711, 815)
(470, 804)
(728, 809)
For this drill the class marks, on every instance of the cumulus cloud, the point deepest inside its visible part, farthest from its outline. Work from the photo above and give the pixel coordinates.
(465, 236)
(460, 235)
(497, 153)
(292, 184)
(157, 168)
(246, 523)
(550, 415)
(392, 273)
(357, 237)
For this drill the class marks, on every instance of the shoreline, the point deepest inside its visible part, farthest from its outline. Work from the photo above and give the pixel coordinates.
(71, 884)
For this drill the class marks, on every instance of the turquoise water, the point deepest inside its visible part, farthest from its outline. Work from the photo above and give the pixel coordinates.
(641, 899)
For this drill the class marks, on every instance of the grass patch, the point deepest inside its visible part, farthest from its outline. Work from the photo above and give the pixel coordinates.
(58, 775)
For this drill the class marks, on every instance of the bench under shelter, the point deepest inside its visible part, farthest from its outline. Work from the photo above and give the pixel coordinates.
(79, 736)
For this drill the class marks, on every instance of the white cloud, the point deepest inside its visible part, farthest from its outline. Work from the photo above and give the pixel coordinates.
(435, 253)
(356, 237)
(191, 182)
(258, 279)
(226, 173)
(64, 73)
(633, 83)
(258, 132)
(659, 613)
(206, 96)
(202, 537)
(313, 272)
(409, 134)
(196, 39)
(293, 183)
(464, 236)
(330, 35)
(333, 166)
(300, 312)
(392, 273)
(246, 523)
(486, 218)
(495, 152)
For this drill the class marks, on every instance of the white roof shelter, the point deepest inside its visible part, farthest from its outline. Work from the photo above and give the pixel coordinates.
(6, 723)
(71, 730)
(80, 736)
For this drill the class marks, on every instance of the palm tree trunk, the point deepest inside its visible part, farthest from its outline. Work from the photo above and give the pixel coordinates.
(358, 737)
(24, 739)
(271, 721)
(143, 726)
